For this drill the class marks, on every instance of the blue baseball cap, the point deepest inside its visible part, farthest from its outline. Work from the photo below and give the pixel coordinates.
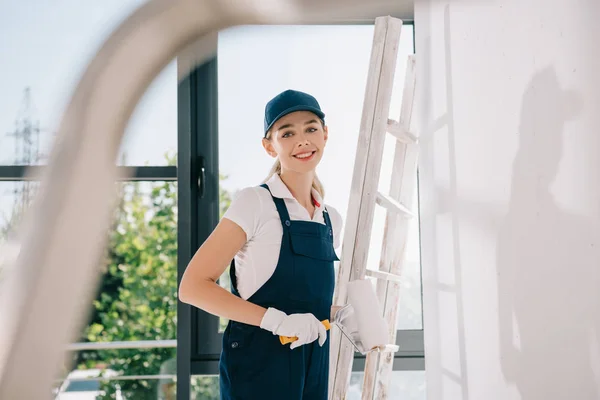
(288, 102)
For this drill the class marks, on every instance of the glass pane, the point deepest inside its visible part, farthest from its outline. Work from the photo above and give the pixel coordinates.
(335, 73)
(405, 385)
(205, 387)
(46, 47)
(15, 198)
(409, 309)
(137, 299)
(151, 136)
(102, 382)
(137, 296)
(410, 315)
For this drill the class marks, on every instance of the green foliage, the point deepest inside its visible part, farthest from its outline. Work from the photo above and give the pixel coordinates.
(137, 299)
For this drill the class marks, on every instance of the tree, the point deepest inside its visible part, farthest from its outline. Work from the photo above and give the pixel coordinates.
(137, 299)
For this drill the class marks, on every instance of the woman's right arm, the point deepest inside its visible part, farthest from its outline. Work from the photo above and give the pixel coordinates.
(199, 285)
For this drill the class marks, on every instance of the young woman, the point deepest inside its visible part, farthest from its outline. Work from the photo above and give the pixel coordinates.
(282, 240)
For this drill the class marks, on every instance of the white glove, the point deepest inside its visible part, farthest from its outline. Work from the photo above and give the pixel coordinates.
(306, 327)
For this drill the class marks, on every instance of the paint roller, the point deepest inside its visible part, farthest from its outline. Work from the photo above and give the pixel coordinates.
(361, 320)
(371, 330)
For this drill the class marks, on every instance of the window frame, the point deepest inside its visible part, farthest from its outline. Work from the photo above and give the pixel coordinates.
(19, 173)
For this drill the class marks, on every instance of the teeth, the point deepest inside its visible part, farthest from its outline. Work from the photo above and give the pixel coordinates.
(303, 155)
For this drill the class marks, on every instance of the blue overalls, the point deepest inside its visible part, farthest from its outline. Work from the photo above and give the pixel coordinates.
(254, 364)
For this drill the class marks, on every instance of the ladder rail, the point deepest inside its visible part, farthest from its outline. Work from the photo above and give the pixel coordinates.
(373, 167)
(403, 188)
(342, 351)
(365, 182)
(390, 290)
(394, 244)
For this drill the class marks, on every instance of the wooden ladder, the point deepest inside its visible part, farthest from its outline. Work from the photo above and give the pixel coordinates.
(364, 198)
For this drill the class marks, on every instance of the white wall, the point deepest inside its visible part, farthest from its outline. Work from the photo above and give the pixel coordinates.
(510, 123)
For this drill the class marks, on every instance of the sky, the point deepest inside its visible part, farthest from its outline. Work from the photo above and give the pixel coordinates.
(46, 46)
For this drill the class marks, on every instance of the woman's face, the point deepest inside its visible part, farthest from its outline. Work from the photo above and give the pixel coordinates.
(298, 139)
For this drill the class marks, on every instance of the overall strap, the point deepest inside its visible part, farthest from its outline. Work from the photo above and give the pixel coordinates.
(326, 218)
(281, 208)
(233, 278)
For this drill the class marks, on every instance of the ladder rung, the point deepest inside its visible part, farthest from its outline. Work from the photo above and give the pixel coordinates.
(394, 128)
(392, 205)
(388, 348)
(384, 275)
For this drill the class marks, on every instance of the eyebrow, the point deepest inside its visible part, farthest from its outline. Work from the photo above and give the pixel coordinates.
(312, 121)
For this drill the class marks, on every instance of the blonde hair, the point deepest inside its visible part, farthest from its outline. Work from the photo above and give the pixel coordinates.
(276, 169)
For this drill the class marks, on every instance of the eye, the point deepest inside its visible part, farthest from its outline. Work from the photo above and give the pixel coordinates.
(287, 134)
(311, 130)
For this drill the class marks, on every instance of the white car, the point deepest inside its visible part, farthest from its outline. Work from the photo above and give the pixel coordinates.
(79, 386)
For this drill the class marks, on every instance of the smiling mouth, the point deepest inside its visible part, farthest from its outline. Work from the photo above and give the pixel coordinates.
(305, 156)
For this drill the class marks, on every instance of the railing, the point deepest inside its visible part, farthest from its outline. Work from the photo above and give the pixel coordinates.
(119, 345)
(134, 344)
(119, 378)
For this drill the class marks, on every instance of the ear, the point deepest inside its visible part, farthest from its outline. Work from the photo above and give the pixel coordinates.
(268, 146)
(325, 133)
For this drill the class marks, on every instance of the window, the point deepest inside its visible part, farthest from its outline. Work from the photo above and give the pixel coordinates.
(335, 71)
(45, 48)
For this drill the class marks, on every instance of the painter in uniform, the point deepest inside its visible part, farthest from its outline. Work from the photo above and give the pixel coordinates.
(284, 268)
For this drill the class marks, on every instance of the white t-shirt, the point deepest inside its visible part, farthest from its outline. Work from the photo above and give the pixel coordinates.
(254, 211)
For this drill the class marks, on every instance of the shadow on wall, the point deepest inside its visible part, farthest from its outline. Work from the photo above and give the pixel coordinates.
(547, 281)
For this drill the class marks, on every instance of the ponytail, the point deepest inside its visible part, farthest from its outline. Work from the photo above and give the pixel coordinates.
(318, 186)
(276, 169)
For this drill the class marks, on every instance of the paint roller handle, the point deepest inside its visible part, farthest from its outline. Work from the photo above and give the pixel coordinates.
(290, 339)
